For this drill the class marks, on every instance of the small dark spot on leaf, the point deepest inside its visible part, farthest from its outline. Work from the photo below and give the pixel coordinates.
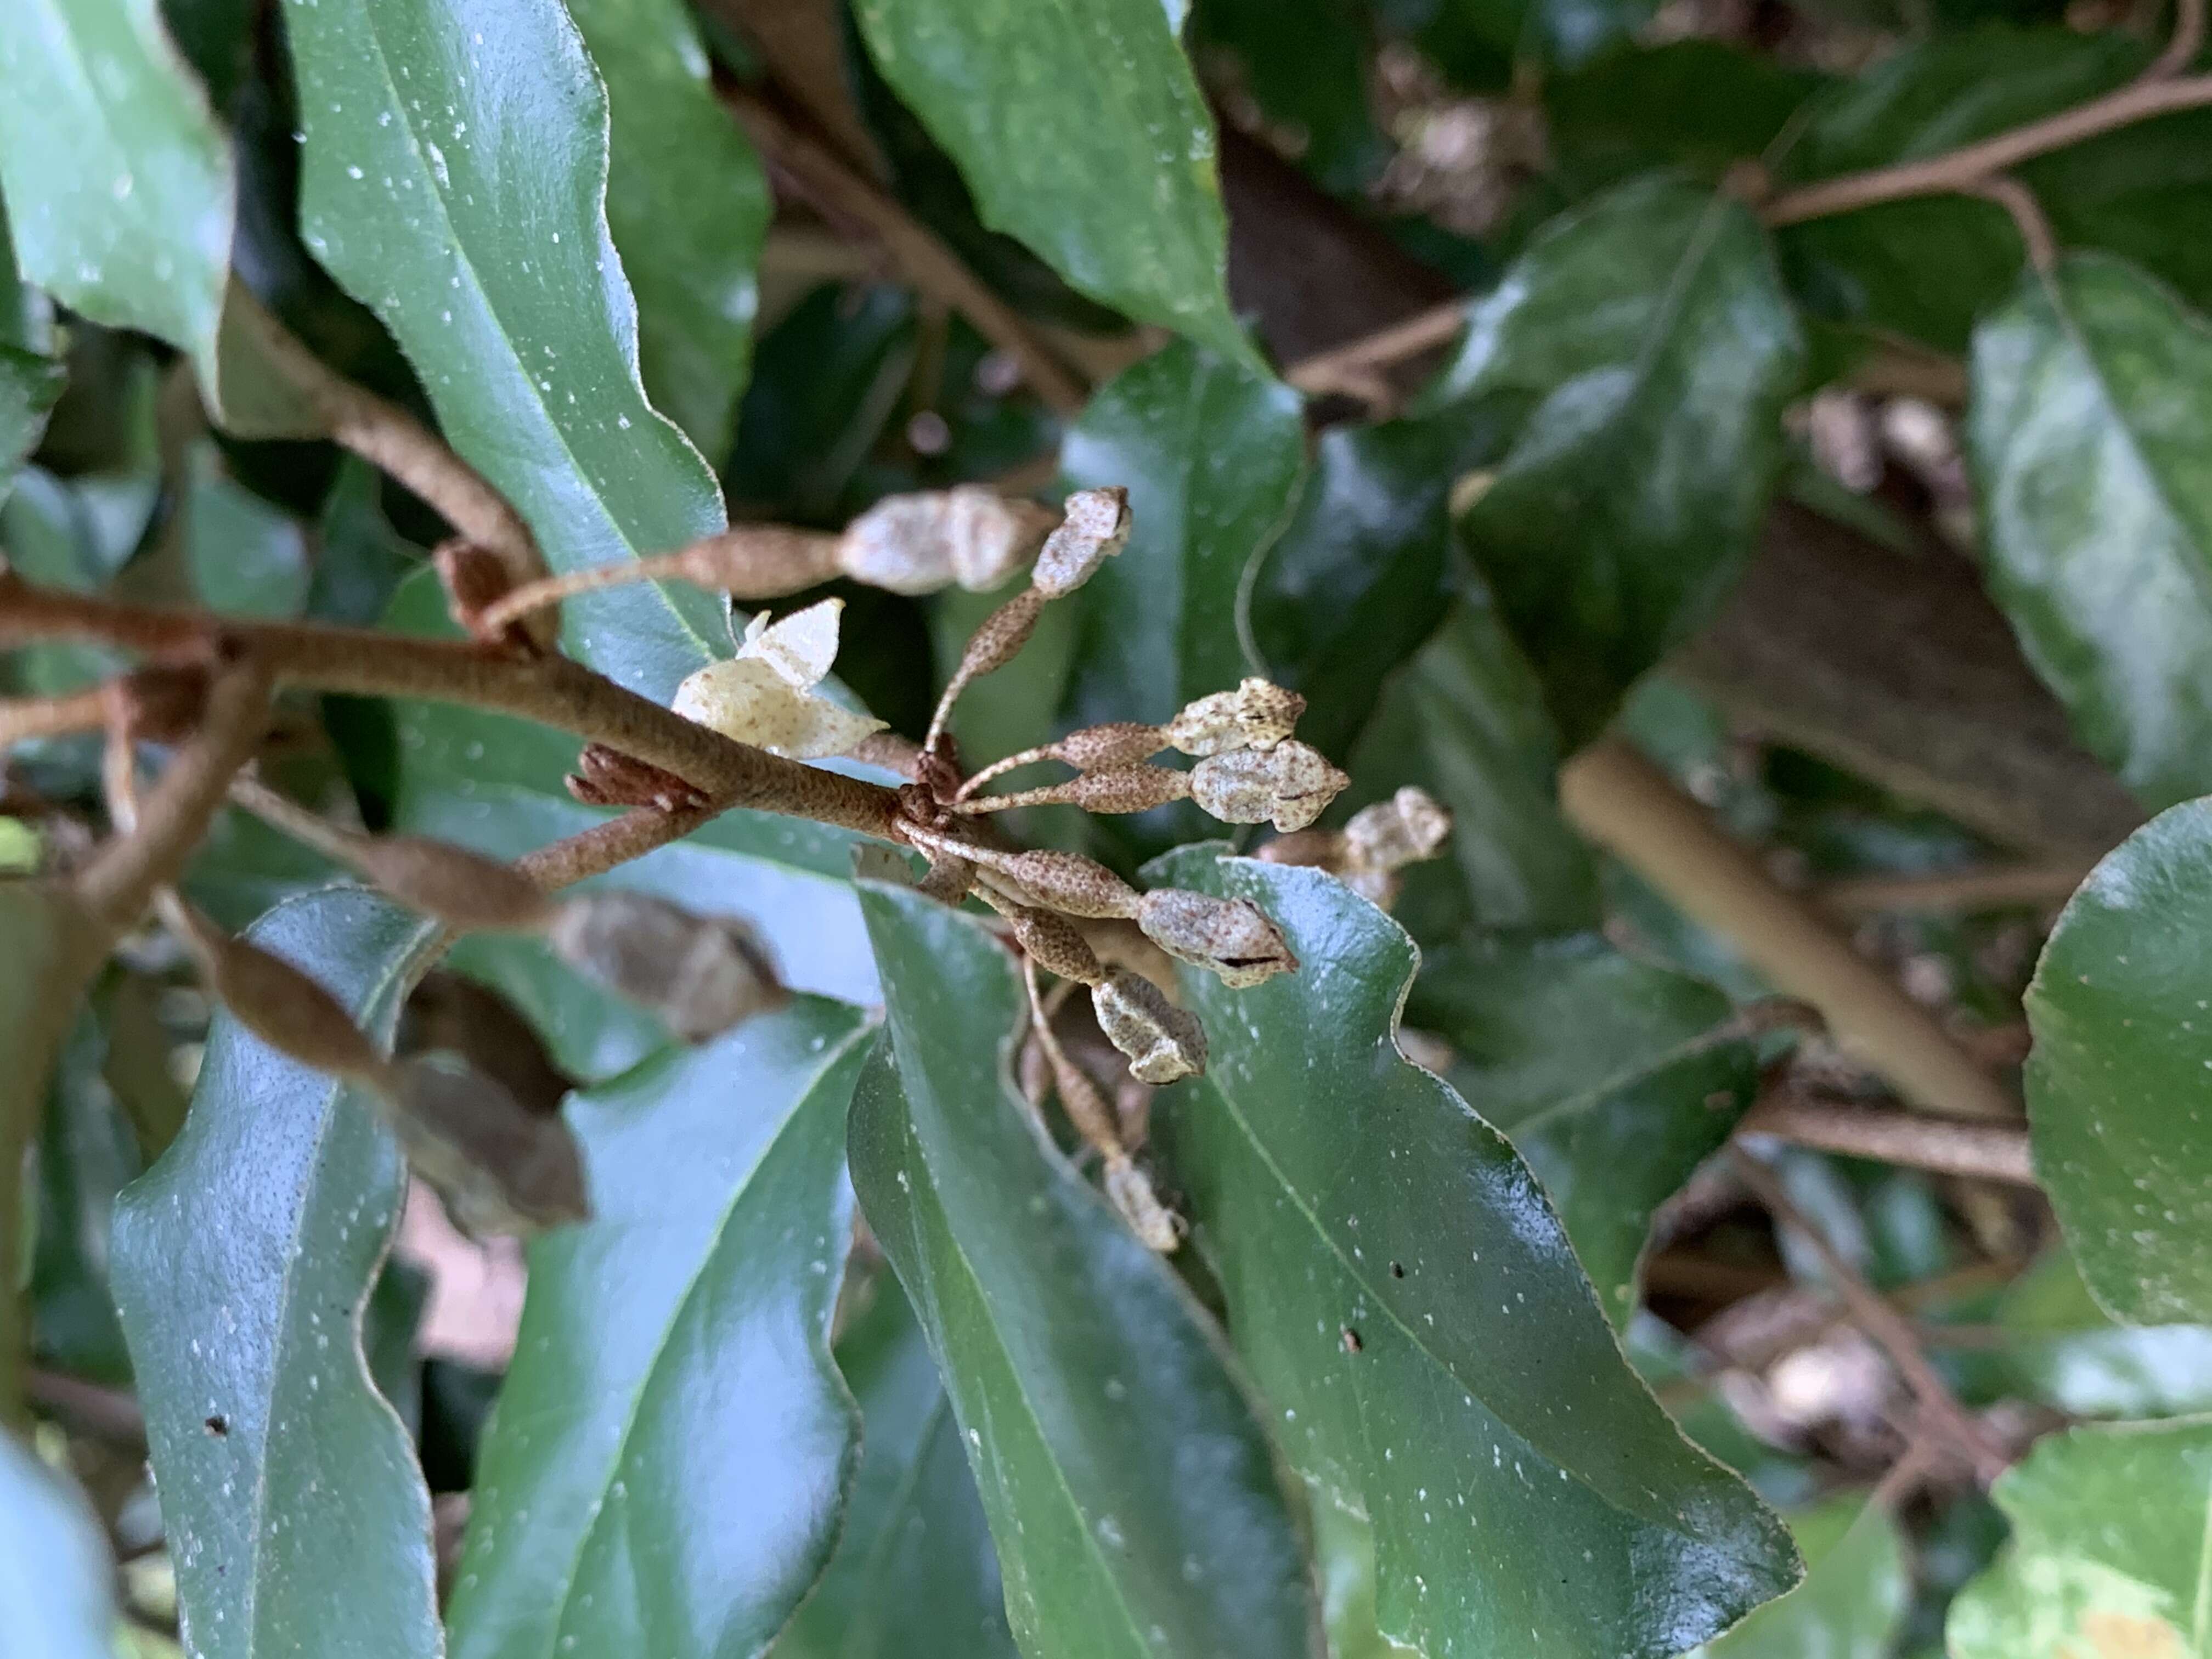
(1397, 1270)
(1351, 1343)
(218, 1425)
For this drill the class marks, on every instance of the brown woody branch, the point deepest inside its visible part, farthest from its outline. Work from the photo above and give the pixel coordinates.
(550, 690)
(1987, 1151)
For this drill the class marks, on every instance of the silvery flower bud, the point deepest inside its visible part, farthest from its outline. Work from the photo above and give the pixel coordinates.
(701, 974)
(1231, 938)
(1121, 743)
(761, 561)
(1257, 714)
(1162, 1042)
(1094, 528)
(1130, 1191)
(919, 543)
(1290, 785)
(1054, 944)
(1404, 829)
(499, 1168)
(1071, 882)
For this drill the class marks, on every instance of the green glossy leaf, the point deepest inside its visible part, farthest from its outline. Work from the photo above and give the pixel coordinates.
(663, 1471)
(1928, 267)
(1412, 1307)
(1614, 1122)
(246, 558)
(689, 206)
(29, 384)
(915, 1576)
(1649, 335)
(359, 559)
(2119, 1081)
(1697, 103)
(1137, 1505)
(1852, 1603)
(57, 1595)
(453, 180)
(1465, 719)
(2111, 1529)
(1358, 578)
(295, 1513)
(2088, 436)
(1211, 453)
(494, 783)
(1112, 181)
(118, 185)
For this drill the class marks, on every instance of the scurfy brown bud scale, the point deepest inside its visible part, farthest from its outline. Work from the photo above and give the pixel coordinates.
(1054, 944)
(463, 889)
(1163, 1042)
(1231, 939)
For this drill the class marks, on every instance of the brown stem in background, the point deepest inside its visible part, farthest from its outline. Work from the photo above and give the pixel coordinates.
(1966, 169)
(2181, 49)
(551, 690)
(830, 182)
(2027, 218)
(1622, 801)
(1987, 1151)
(1882, 1324)
(23, 718)
(1352, 368)
(119, 881)
(599, 849)
(1954, 890)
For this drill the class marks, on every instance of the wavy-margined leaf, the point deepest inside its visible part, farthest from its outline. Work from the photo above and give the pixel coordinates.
(2111, 1529)
(1614, 1122)
(2091, 438)
(1137, 1505)
(118, 185)
(688, 205)
(56, 1583)
(1412, 1309)
(1359, 577)
(453, 180)
(663, 1471)
(914, 1575)
(296, 1515)
(1853, 1603)
(1649, 337)
(2061, 1349)
(1928, 267)
(2119, 1080)
(1112, 182)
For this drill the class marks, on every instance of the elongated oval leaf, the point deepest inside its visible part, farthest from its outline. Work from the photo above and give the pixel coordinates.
(1137, 1508)
(453, 180)
(1611, 1123)
(663, 1470)
(57, 1595)
(296, 1515)
(2090, 436)
(1411, 1305)
(689, 206)
(915, 1576)
(118, 185)
(1652, 336)
(1211, 453)
(2119, 1080)
(1111, 180)
(1853, 1601)
(2111, 1529)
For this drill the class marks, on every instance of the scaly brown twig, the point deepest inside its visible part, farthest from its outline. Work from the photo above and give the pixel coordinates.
(1985, 1152)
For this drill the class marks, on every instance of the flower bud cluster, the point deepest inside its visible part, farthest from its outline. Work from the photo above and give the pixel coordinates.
(1371, 849)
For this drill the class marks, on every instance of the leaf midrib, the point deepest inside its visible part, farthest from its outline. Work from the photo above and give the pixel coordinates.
(1382, 1302)
(801, 1098)
(461, 253)
(924, 1257)
(425, 946)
